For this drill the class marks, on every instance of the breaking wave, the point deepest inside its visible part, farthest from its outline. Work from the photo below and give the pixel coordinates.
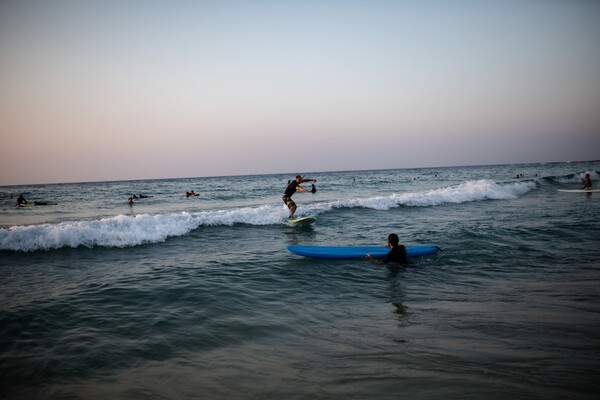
(134, 230)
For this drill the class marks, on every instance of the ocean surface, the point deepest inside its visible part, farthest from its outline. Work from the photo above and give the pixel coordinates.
(184, 298)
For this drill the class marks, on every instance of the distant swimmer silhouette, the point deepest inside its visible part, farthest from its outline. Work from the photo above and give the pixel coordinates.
(44, 203)
(21, 200)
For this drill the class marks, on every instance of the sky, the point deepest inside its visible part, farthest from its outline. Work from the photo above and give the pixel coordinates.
(123, 89)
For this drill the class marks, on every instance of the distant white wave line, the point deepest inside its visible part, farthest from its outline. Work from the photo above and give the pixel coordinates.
(128, 230)
(463, 193)
(578, 178)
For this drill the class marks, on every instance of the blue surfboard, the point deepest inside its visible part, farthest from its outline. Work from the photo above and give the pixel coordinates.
(356, 252)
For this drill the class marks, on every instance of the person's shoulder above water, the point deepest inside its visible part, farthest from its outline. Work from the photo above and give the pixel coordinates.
(397, 255)
(397, 251)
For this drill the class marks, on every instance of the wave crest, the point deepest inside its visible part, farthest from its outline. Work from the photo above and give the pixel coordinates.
(466, 192)
(134, 230)
(128, 230)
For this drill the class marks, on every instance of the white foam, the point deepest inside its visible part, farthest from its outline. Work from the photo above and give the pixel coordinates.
(465, 192)
(126, 230)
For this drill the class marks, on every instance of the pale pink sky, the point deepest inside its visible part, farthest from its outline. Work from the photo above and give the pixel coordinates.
(113, 90)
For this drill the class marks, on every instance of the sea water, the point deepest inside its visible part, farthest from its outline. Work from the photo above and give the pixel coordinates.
(175, 297)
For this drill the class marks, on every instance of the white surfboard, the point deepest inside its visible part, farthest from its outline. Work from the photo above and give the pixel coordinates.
(579, 190)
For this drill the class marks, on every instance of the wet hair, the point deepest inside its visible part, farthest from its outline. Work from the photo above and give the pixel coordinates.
(393, 239)
(298, 177)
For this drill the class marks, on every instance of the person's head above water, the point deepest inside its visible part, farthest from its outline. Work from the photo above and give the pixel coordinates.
(393, 239)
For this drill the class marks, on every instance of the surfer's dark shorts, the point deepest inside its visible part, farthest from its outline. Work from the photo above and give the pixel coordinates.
(288, 201)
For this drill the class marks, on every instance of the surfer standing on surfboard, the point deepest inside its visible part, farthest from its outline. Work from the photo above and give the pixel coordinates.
(291, 189)
(587, 182)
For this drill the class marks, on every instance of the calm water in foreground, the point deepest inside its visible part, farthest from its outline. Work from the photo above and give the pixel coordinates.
(179, 297)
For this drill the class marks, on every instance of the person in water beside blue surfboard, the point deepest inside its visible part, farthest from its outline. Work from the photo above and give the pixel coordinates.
(397, 252)
(291, 189)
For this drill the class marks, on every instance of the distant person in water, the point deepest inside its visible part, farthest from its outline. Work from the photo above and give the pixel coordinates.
(291, 188)
(192, 193)
(21, 200)
(397, 253)
(130, 200)
(587, 182)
